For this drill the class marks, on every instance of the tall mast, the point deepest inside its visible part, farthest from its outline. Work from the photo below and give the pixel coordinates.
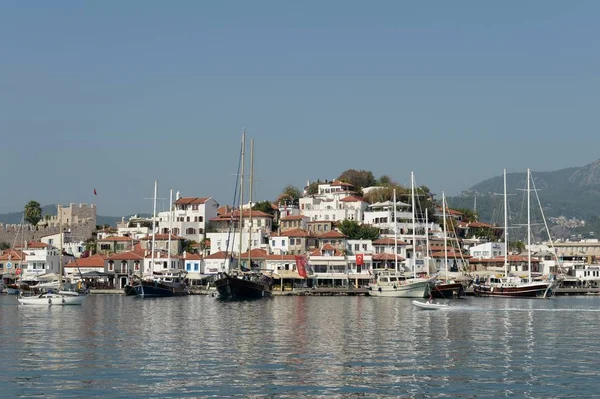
(414, 234)
(427, 240)
(528, 228)
(505, 228)
(250, 212)
(153, 227)
(395, 235)
(242, 197)
(445, 235)
(170, 228)
(60, 249)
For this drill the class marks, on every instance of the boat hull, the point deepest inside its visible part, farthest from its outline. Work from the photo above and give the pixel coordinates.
(448, 290)
(529, 290)
(230, 287)
(430, 306)
(408, 289)
(52, 300)
(159, 291)
(129, 290)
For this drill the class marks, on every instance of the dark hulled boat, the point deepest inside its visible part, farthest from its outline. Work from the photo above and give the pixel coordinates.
(244, 286)
(513, 288)
(447, 290)
(129, 290)
(165, 286)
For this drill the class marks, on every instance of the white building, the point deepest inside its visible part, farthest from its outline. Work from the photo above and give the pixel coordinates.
(191, 216)
(487, 250)
(43, 258)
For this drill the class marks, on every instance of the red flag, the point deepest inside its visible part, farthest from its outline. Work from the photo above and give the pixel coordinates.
(360, 259)
(301, 265)
(95, 193)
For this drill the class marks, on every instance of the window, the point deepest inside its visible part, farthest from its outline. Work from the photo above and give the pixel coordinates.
(165, 265)
(364, 246)
(188, 267)
(283, 243)
(194, 207)
(196, 267)
(272, 243)
(105, 247)
(136, 265)
(111, 266)
(356, 247)
(190, 230)
(188, 218)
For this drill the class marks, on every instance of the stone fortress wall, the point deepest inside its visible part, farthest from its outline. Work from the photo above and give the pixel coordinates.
(79, 219)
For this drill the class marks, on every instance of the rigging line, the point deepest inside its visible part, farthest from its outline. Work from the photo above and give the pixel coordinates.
(462, 259)
(231, 217)
(546, 225)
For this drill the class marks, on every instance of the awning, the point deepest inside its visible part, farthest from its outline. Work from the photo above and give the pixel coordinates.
(97, 275)
(287, 275)
(198, 276)
(47, 276)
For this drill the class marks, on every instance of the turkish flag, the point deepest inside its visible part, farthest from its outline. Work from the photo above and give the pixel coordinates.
(360, 259)
(95, 193)
(301, 265)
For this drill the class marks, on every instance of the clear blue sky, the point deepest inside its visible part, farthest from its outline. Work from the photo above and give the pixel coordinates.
(114, 94)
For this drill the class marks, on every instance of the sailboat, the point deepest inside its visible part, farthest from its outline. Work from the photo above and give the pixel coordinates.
(446, 288)
(51, 298)
(160, 286)
(238, 284)
(514, 286)
(394, 283)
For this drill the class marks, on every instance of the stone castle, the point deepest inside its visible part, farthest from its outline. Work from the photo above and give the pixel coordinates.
(78, 219)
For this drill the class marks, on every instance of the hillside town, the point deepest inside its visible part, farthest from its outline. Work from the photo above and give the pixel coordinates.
(201, 238)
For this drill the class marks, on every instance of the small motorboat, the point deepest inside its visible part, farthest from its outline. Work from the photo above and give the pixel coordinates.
(430, 305)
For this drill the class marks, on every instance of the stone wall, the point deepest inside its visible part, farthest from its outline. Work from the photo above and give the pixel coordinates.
(80, 219)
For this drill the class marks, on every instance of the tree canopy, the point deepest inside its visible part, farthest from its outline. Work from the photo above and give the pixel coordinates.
(355, 231)
(358, 178)
(264, 206)
(290, 193)
(33, 212)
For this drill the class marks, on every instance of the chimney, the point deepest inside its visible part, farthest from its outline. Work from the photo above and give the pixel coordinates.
(184, 254)
(177, 196)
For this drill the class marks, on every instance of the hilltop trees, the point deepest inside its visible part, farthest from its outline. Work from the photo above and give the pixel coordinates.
(264, 206)
(33, 212)
(290, 193)
(355, 231)
(358, 178)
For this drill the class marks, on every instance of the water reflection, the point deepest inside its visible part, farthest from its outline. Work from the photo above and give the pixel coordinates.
(338, 347)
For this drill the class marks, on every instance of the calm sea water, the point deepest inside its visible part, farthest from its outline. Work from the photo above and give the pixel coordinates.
(297, 347)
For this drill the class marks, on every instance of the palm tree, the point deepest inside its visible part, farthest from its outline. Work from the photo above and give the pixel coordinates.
(33, 212)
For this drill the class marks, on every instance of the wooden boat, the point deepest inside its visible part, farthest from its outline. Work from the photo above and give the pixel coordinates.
(430, 305)
(514, 286)
(243, 286)
(240, 284)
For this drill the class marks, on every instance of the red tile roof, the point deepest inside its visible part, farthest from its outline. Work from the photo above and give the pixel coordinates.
(340, 183)
(34, 245)
(327, 247)
(191, 200)
(12, 255)
(387, 257)
(319, 252)
(192, 256)
(387, 241)
(296, 233)
(236, 214)
(332, 234)
(129, 255)
(115, 238)
(255, 253)
(219, 255)
(293, 217)
(92, 261)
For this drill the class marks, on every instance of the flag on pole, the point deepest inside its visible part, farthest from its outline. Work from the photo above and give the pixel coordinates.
(360, 259)
(301, 265)
(95, 193)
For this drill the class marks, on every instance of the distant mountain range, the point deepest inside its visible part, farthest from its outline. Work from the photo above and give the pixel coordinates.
(571, 192)
(16, 217)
